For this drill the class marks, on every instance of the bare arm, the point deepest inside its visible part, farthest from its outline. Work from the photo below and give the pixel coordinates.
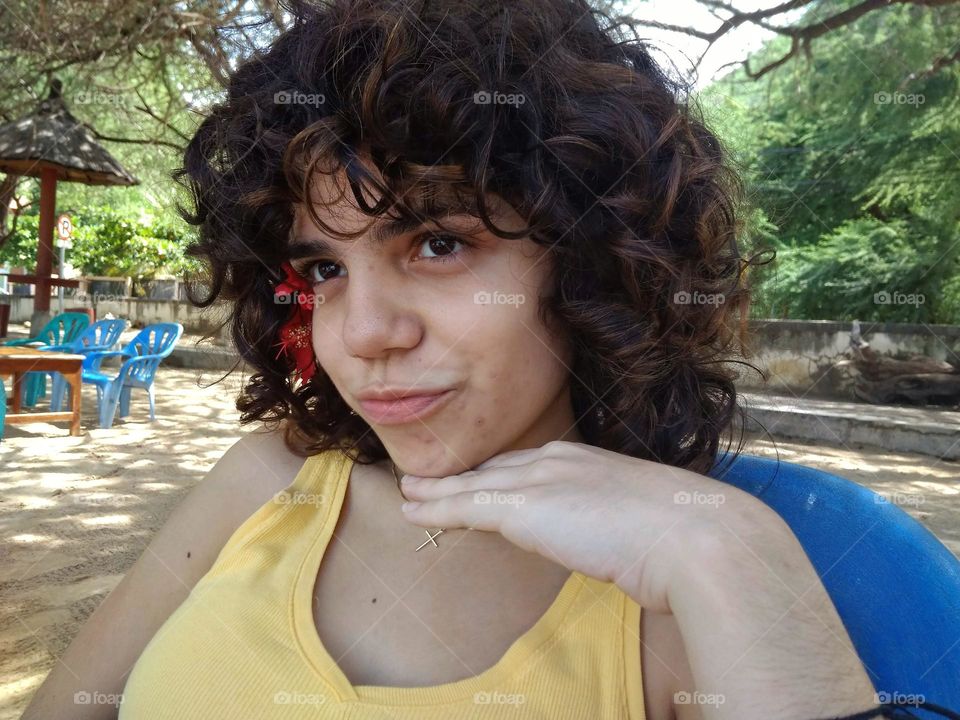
(761, 634)
(668, 689)
(103, 652)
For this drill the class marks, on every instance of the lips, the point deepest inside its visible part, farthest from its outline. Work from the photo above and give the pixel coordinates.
(389, 409)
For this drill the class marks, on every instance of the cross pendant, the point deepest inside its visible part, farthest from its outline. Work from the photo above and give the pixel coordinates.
(430, 539)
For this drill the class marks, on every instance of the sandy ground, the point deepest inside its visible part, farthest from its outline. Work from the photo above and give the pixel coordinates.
(76, 512)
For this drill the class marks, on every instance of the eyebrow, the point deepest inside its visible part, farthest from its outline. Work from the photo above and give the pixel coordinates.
(299, 247)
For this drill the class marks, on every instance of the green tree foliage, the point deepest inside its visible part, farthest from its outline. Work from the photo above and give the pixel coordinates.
(109, 242)
(857, 166)
(139, 73)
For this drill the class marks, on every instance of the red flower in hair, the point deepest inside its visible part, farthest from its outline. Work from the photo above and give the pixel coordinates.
(295, 335)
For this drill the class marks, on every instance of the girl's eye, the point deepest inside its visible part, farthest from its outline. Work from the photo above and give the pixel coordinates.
(307, 270)
(434, 241)
(319, 271)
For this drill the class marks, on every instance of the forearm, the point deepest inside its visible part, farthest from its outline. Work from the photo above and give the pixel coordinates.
(759, 629)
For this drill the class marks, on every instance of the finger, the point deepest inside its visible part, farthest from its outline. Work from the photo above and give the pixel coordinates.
(511, 458)
(468, 509)
(510, 478)
(519, 457)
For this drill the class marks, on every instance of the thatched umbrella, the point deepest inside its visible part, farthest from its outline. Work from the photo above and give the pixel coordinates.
(53, 145)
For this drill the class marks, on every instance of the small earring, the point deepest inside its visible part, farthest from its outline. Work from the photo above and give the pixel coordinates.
(600, 416)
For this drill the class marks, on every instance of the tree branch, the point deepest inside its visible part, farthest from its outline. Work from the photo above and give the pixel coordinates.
(936, 66)
(138, 141)
(801, 36)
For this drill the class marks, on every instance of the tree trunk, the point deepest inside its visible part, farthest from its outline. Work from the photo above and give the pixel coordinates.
(916, 379)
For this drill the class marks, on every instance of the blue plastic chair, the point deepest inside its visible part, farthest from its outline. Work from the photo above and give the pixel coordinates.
(60, 330)
(143, 355)
(894, 584)
(103, 335)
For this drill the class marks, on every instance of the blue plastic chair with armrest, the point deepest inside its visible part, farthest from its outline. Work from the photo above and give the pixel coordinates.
(141, 358)
(102, 336)
(894, 584)
(60, 330)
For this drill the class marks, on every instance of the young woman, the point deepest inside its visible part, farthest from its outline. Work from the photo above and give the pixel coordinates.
(487, 248)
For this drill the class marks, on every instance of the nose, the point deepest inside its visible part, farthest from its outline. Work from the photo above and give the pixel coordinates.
(380, 315)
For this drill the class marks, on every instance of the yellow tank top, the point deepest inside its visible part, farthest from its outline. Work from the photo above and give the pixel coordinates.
(244, 645)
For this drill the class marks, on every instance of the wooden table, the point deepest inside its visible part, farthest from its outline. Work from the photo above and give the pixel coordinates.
(19, 360)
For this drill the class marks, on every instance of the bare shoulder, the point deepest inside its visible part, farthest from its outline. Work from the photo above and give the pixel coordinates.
(253, 469)
(247, 475)
(667, 679)
(108, 644)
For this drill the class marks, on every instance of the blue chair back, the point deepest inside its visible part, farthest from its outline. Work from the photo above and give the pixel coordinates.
(59, 330)
(156, 339)
(102, 335)
(64, 328)
(894, 584)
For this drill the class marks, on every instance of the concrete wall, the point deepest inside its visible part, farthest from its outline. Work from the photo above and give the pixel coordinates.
(805, 357)
(799, 356)
(140, 312)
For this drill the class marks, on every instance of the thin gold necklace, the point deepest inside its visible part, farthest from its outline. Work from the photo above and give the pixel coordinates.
(430, 538)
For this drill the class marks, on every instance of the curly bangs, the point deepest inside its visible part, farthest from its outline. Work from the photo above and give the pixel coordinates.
(552, 105)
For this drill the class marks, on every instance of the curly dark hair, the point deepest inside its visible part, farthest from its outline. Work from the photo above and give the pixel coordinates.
(607, 159)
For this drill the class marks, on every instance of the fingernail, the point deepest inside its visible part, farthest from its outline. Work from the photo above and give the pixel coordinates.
(407, 479)
(409, 506)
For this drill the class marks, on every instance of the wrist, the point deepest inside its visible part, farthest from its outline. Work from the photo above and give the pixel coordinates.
(729, 534)
(753, 614)
(700, 509)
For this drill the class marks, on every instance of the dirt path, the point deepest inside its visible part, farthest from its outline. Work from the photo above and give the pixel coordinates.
(75, 513)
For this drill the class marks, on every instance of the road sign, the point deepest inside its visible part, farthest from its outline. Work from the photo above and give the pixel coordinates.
(64, 227)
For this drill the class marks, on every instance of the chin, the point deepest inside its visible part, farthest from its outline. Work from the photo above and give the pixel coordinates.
(434, 459)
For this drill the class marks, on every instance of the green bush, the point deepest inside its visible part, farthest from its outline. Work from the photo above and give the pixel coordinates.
(866, 269)
(105, 242)
(20, 249)
(949, 307)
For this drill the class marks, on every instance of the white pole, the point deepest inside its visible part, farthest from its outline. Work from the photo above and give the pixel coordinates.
(60, 288)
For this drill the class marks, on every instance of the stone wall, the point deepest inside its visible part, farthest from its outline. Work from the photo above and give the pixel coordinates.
(140, 312)
(807, 357)
(800, 357)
